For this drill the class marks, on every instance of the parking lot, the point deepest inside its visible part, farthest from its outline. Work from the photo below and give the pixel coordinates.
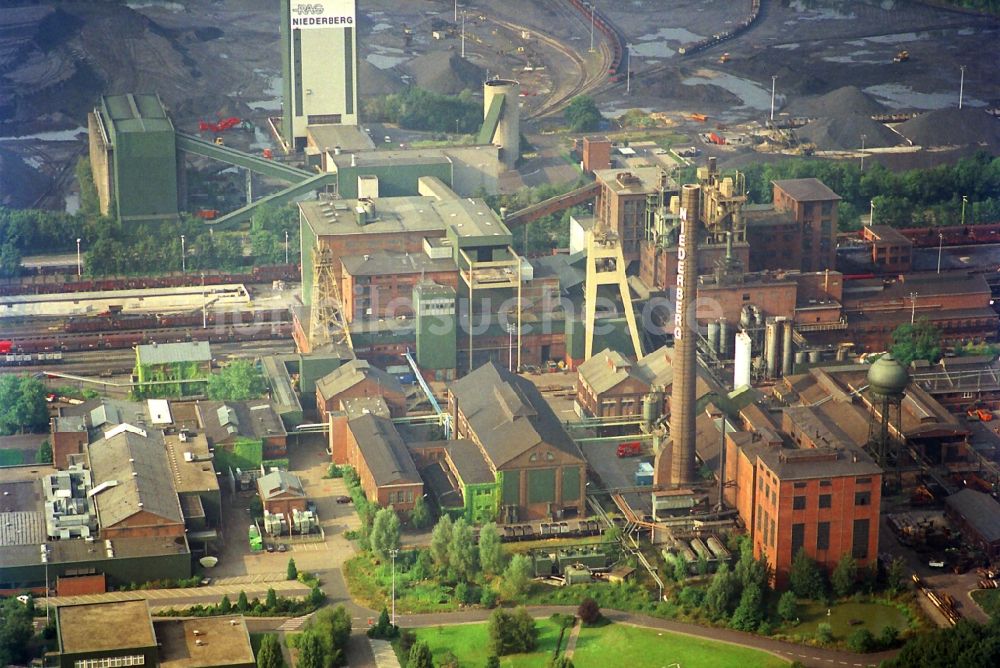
(309, 461)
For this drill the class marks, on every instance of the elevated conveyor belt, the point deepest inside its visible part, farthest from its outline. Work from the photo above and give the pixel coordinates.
(491, 121)
(242, 214)
(552, 205)
(231, 156)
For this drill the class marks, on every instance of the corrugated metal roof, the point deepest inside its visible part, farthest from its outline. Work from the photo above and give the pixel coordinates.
(350, 374)
(279, 482)
(508, 414)
(980, 510)
(136, 113)
(174, 353)
(385, 454)
(139, 464)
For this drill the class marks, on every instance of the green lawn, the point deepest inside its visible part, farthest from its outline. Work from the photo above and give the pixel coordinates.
(602, 647)
(988, 600)
(874, 616)
(618, 645)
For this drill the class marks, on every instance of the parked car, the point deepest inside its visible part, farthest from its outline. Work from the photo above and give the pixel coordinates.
(270, 547)
(343, 499)
(935, 563)
(282, 547)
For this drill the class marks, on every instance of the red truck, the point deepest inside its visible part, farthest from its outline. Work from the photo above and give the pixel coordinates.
(630, 449)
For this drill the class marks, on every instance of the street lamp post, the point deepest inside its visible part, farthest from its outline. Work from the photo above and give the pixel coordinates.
(628, 72)
(510, 347)
(940, 246)
(871, 214)
(79, 259)
(286, 246)
(961, 87)
(863, 137)
(774, 82)
(204, 303)
(392, 553)
(183, 255)
(965, 200)
(913, 306)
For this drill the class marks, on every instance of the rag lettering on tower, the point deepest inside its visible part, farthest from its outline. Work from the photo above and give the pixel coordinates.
(322, 14)
(681, 296)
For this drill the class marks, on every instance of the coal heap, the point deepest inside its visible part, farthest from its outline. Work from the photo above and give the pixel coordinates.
(843, 133)
(446, 73)
(840, 102)
(952, 127)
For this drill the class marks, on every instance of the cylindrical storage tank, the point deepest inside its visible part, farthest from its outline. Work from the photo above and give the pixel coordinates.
(723, 338)
(786, 348)
(717, 548)
(746, 318)
(771, 347)
(815, 356)
(800, 357)
(508, 133)
(741, 374)
(700, 549)
(841, 353)
(650, 409)
(713, 337)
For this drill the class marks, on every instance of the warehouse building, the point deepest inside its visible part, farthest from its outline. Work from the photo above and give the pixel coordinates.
(227, 423)
(539, 469)
(460, 479)
(814, 207)
(978, 515)
(383, 462)
(610, 385)
(281, 492)
(357, 379)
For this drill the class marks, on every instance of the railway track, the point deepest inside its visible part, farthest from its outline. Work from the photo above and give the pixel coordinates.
(585, 81)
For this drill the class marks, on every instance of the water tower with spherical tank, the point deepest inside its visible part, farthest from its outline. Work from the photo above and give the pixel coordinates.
(887, 381)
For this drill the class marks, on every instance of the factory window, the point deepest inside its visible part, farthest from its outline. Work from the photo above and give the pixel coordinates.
(549, 456)
(773, 533)
(799, 503)
(859, 549)
(746, 296)
(798, 537)
(825, 500)
(112, 662)
(862, 498)
(827, 208)
(323, 119)
(825, 483)
(863, 481)
(760, 483)
(533, 457)
(823, 536)
(409, 496)
(800, 485)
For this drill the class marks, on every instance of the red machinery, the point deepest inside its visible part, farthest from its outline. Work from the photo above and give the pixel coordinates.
(221, 126)
(5, 346)
(630, 449)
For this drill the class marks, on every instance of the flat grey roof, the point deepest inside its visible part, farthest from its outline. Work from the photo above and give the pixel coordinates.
(393, 215)
(96, 627)
(347, 137)
(173, 353)
(383, 263)
(225, 642)
(806, 190)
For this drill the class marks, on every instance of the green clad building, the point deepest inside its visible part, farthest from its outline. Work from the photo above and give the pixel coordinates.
(437, 329)
(133, 156)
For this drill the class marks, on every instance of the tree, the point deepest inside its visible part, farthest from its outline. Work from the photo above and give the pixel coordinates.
(582, 114)
(225, 606)
(44, 454)
(292, 573)
(844, 576)
(919, 341)
(239, 380)
(461, 550)
(888, 637)
(966, 644)
(824, 633)
(420, 656)
(788, 606)
(316, 596)
(311, 652)
(384, 628)
(680, 568)
(511, 633)
(588, 611)
(493, 661)
(516, 577)
(896, 576)
(440, 542)
(861, 640)
(749, 612)
(805, 578)
(22, 405)
(384, 536)
(702, 564)
(271, 602)
(723, 593)
(490, 549)
(333, 628)
(269, 654)
(15, 632)
(421, 514)
(559, 662)
(242, 604)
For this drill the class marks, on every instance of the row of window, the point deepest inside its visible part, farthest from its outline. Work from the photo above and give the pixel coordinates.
(111, 662)
(826, 500)
(859, 537)
(401, 497)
